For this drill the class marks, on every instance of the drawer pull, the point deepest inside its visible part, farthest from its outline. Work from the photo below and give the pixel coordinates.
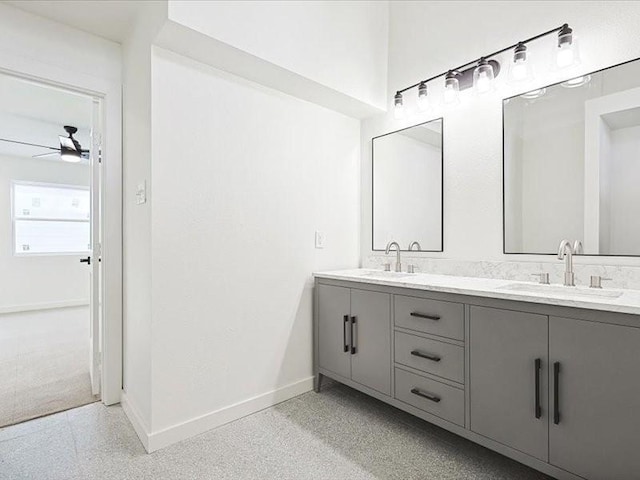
(422, 394)
(418, 353)
(424, 315)
(537, 367)
(353, 338)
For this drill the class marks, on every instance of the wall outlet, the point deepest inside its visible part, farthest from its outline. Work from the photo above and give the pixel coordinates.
(320, 239)
(141, 193)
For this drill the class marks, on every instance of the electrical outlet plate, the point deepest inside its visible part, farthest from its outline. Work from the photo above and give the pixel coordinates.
(320, 239)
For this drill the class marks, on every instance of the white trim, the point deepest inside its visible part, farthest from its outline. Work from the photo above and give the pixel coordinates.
(135, 419)
(44, 306)
(109, 90)
(181, 431)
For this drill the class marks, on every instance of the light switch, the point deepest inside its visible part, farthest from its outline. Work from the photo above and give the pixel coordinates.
(141, 193)
(320, 239)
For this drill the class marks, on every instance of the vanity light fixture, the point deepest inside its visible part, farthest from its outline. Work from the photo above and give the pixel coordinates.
(577, 82)
(423, 97)
(483, 77)
(567, 51)
(398, 106)
(481, 74)
(451, 88)
(520, 69)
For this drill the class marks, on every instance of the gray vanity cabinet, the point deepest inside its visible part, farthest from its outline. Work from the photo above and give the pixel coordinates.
(596, 433)
(333, 329)
(508, 378)
(354, 331)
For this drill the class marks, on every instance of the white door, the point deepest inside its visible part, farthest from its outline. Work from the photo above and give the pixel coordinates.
(95, 353)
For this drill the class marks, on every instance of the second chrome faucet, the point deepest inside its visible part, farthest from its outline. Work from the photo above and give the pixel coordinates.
(566, 251)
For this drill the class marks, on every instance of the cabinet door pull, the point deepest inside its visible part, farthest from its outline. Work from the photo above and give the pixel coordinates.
(344, 333)
(418, 353)
(538, 367)
(556, 393)
(422, 394)
(424, 315)
(353, 341)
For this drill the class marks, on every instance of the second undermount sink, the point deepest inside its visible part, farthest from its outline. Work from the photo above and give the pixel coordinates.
(387, 274)
(557, 290)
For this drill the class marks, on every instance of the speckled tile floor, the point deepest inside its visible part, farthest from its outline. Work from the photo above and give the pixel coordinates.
(336, 434)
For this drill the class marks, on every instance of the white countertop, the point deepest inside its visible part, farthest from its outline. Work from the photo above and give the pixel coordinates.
(577, 297)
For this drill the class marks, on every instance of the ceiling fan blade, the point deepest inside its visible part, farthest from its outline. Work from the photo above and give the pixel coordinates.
(29, 144)
(67, 143)
(48, 154)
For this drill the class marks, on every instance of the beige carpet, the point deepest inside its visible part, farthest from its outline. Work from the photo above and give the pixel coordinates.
(44, 363)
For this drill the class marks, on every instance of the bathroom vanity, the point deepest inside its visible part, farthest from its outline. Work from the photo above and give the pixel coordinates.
(546, 375)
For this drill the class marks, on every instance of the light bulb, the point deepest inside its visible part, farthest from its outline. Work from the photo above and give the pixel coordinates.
(567, 51)
(483, 77)
(398, 107)
(520, 69)
(423, 97)
(451, 88)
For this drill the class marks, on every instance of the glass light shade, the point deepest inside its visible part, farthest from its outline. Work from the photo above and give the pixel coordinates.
(423, 97)
(68, 155)
(398, 106)
(520, 69)
(567, 52)
(577, 82)
(451, 89)
(483, 77)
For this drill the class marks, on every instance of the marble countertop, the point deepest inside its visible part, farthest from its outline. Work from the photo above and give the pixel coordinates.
(578, 297)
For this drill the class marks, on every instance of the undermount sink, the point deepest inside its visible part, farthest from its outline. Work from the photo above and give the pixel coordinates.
(559, 290)
(387, 274)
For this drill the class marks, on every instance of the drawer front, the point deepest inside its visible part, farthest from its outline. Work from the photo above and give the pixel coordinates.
(431, 356)
(433, 397)
(445, 319)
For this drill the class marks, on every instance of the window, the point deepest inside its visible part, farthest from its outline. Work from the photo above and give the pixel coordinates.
(50, 219)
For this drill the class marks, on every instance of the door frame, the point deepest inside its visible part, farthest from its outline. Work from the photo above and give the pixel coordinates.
(109, 91)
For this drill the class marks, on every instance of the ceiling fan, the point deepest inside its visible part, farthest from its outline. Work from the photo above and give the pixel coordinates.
(70, 149)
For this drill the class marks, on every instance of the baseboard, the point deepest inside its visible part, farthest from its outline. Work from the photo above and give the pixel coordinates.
(135, 419)
(198, 425)
(43, 306)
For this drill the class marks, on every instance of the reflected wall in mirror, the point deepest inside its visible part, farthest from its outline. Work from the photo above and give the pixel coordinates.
(572, 165)
(407, 187)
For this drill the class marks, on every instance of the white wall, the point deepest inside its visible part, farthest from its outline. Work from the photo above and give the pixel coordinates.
(31, 281)
(242, 177)
(427, 38)
(342, 45)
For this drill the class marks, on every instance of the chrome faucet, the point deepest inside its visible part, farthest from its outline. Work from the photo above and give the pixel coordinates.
(412, 268)
(395, 244)
(566, 252)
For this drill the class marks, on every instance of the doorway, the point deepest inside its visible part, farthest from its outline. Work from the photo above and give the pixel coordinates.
(50, 238)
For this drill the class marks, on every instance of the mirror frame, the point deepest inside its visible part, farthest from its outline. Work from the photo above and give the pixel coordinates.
(504, 210)
(441, 119)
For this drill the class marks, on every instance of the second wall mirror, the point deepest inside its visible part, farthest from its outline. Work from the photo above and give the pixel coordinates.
(572, 165)
(407, 188)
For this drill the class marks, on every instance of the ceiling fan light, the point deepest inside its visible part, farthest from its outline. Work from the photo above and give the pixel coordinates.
(69, 155)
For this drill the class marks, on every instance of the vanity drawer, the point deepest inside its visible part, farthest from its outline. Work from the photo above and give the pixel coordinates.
(431, 356)
(445, 319)
(434, 397)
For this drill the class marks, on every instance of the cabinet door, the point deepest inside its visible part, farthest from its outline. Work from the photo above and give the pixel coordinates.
(597, 431)
(508, 358)
(333, 317)
(371, 361)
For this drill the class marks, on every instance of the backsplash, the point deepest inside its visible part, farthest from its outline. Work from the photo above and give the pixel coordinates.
(621, 276)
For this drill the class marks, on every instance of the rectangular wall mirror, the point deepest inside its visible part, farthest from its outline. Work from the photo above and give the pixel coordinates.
(407, 188)
(572, 165)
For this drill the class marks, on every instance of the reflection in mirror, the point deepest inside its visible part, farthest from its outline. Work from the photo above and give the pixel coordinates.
(572, 165)
(407, 188)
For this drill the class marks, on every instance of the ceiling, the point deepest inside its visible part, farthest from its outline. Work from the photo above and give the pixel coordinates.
(110, 19)
(34, 113)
